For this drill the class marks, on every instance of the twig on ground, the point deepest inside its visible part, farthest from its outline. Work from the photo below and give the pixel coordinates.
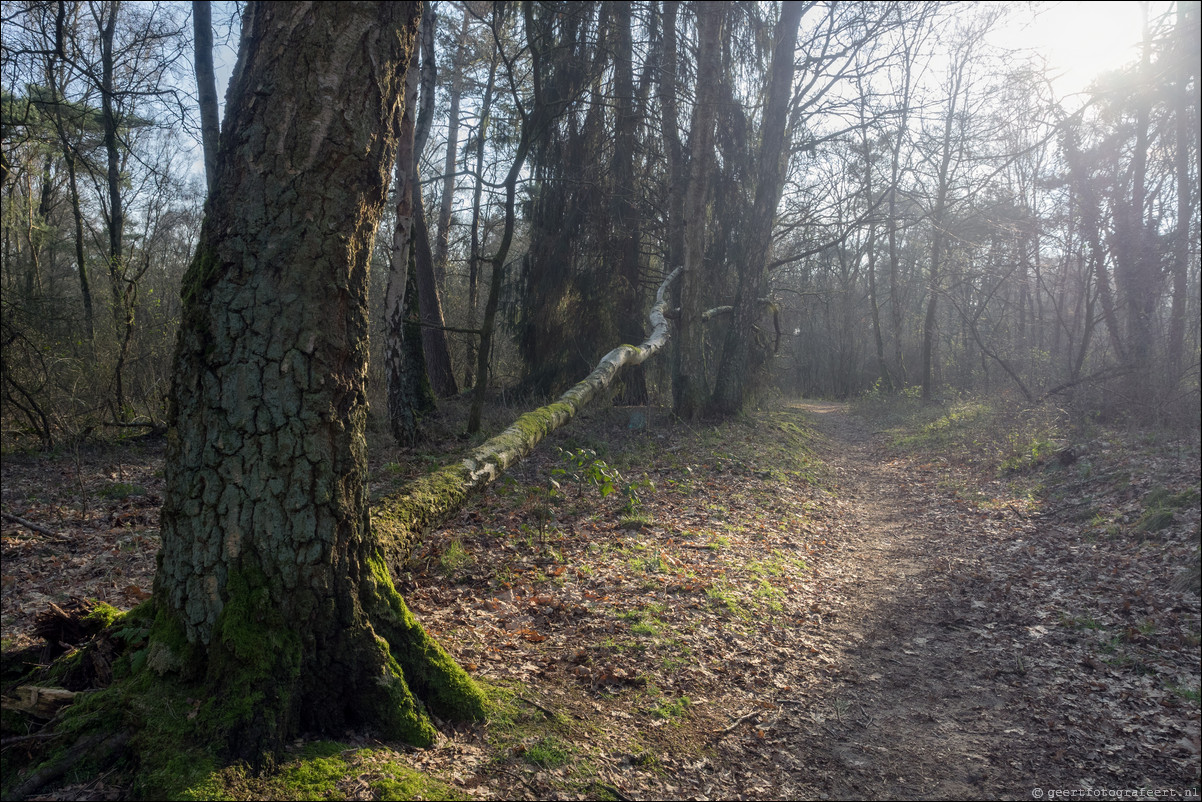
(34, 736)
(548, 713)
(609, 789)
(95, 747)
(16, 519)
(737, 723)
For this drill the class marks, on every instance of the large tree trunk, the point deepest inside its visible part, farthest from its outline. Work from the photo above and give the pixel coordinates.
(670, 129)
(1137, 274)
(437, 355)
(404, 409)
(742, 357)
(433, 325)
(689, 388)
(1186, 133)
(271, 588)
(625, 235)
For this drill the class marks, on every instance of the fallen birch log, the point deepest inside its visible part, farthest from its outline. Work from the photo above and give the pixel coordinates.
(399, 520)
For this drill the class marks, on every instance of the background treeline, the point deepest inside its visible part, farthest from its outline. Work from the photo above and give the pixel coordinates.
(865, 196)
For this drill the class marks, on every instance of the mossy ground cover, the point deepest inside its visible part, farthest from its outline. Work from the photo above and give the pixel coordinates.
(643, 686)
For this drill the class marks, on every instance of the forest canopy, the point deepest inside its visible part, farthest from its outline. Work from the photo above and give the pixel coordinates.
(889, 202)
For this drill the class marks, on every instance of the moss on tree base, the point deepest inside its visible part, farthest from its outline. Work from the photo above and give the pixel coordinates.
(181, 718)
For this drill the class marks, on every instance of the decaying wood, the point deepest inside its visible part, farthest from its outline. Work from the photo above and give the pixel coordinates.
(67, 625)
(399, 520)
(39, 702)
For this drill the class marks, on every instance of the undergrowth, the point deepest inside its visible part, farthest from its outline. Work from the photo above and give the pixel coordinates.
(995, 434)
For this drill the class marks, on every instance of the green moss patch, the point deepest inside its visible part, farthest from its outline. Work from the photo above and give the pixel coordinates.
(433, 675)
(325, 770)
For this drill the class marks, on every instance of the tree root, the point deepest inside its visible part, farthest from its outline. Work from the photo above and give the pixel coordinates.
(96, 747)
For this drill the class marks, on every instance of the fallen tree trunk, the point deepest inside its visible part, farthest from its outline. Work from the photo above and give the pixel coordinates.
(399, 520)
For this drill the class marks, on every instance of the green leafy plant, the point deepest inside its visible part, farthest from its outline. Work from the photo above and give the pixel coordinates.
(584, 467)
(540, 507)
(635, 492)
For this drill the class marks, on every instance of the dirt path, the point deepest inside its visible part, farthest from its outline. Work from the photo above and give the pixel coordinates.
(946, 682)
(922, 711)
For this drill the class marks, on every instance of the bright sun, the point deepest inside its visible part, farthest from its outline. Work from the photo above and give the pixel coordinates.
(1079, 39)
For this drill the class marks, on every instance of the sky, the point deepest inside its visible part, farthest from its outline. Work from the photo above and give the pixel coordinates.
(1079, 39)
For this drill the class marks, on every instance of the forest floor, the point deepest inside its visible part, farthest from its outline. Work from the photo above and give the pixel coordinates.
(806, 604)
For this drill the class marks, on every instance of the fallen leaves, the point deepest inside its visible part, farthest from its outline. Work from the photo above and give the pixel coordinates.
(881, 626)
(103, 505)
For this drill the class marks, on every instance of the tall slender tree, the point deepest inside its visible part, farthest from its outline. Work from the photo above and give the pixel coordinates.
(206, 83)
(742, 357)
(690, 389)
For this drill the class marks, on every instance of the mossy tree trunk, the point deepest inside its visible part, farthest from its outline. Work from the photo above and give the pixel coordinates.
(271, 588)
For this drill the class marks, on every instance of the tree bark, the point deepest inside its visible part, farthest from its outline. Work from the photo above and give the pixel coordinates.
(435, 357)
(1186, 58)
(673, 149)
(397, 359)
(474, 257)
(414, 381)
(432, 330)
(271, 591)
(742, 358)
(690, 390)
(443, 237)
(123, 315)
(626, 233)
(1137, 275)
